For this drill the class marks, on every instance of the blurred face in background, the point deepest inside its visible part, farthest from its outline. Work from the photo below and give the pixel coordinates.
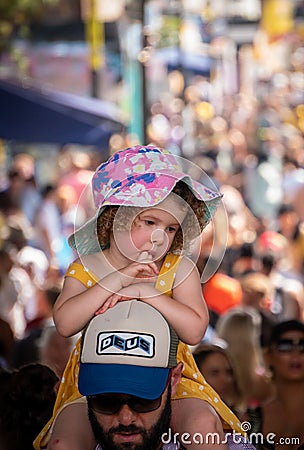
(286, 356)
(218, 373)
(54, 350)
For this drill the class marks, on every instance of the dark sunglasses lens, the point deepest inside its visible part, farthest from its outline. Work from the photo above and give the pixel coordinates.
(142, 405)
(287, 345)
(284, 347)
(105, 404)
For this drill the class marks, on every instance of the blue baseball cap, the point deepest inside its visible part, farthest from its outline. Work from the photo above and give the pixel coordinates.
(129, 350)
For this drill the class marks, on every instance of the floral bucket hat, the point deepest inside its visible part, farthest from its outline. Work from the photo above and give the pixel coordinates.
(139, 176)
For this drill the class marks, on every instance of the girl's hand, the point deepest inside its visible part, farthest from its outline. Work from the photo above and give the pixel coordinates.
(144, 270)
(140, 272)
(128, 293)
(112, 301)
(124, 294)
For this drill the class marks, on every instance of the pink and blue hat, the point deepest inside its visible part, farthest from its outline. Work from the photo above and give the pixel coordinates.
(139, 176)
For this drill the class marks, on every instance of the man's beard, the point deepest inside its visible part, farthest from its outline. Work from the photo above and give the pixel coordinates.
(151, 439)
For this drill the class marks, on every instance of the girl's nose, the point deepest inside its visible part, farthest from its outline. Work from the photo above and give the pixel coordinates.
(158, 236)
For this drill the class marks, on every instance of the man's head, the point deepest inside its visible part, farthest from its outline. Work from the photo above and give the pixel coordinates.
(258, 290)
(128, 371)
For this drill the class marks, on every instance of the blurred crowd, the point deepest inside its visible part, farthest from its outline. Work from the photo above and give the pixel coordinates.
(34, 255)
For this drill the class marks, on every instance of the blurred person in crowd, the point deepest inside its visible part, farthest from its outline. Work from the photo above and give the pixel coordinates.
(272, 249)
(27, 397)
(11, 194)
(30, 197)
(24, 164)
(16, 292)
(72, 215)
(49, 230)
(33, 260)
(270, 241)
(273, 242)
(26, 350)
(262, 185)
(245, 260)
(291, 227)
(36, 265)
(54, 350)
(11, 212)
(288, 301)
(75, 166)
(293, 182)
(241, 329)
(242, 230)
(214, 363)
(258, 292)
(23, 273)
(297, 201)
(222, 292)
(282, 416)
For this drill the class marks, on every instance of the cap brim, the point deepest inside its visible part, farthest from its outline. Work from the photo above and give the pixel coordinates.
(144, 382)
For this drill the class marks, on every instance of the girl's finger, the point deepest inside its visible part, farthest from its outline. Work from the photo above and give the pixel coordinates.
(114, 299)
(104, 307)
(144, 257)
(151, 267)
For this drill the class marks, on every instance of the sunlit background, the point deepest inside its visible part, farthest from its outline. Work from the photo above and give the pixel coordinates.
(201, 78)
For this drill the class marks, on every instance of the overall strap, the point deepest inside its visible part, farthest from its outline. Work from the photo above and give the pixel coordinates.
(167, 274)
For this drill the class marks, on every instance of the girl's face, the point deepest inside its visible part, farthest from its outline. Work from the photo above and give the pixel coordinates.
(218, 373)
(152, 231)
(286, 357)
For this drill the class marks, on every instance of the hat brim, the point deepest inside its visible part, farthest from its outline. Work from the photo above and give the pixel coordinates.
(143, 382)
(85, 240)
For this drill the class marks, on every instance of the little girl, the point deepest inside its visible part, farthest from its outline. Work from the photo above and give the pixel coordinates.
(148, 214)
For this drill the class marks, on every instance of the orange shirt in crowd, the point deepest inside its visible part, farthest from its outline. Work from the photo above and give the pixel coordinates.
(222, 292)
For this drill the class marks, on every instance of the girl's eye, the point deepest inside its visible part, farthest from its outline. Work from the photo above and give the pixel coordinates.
(172, 229)
(149, 222)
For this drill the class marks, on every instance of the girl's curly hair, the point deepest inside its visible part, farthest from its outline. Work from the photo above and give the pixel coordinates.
(196, 219)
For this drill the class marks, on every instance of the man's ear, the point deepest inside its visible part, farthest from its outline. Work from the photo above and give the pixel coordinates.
(176, 374)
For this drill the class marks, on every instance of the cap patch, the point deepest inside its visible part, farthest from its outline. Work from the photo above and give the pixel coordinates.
(125, 344)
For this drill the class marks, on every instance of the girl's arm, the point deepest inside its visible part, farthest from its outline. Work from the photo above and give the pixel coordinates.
(77, 304)
(186, 311)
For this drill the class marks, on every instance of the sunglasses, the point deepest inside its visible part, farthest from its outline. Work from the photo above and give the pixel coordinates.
(110, 404)
(288, 345)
